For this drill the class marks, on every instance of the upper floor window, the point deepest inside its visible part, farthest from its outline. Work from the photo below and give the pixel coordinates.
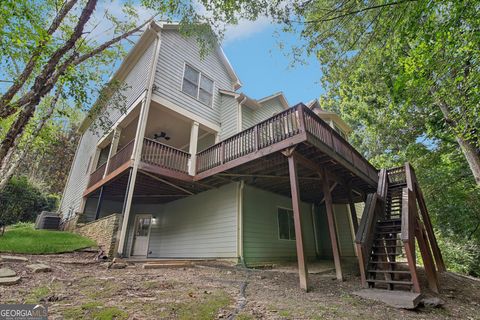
(197, 85)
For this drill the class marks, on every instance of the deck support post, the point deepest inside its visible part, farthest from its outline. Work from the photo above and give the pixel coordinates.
(99, 203)
(193, 148)
(353, 211)
(113, 148)
(331, 225)
(137, 150)
(302, 266)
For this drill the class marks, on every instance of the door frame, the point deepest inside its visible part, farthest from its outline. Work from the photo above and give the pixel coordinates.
(137, 217)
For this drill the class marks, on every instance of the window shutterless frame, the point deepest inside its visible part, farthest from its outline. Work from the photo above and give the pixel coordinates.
(198, 84)
(289, 212)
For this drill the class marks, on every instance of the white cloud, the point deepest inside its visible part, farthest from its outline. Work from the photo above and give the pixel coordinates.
(245, 29)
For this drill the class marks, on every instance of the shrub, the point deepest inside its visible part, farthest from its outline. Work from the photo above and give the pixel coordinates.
(23, 201)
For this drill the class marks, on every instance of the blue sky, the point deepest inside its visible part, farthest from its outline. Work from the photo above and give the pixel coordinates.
(264, 68)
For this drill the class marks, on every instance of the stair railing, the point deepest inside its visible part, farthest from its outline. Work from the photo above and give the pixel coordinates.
(408, 234)
(413, 227)
(373, 212)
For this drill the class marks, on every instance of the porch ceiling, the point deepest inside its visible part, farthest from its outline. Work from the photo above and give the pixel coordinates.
(150, 188)
(271, 173)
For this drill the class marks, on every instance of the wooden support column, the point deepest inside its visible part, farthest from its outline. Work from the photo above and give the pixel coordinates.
(113, 147)
(353, 211)
(302, 265)
(428, 263)
(331, 226)
(137, 148)
(193, 148)
(99, 203)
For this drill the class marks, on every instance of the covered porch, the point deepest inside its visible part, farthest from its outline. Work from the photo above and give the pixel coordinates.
(293, 154)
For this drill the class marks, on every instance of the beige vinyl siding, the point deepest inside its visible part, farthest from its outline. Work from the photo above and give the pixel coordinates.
(175, 51)
(343, 227)
(228, 116)
(136, 83)
(268, 108)
(200, 226)
(248, 118)
(78, 178)
(261, 243)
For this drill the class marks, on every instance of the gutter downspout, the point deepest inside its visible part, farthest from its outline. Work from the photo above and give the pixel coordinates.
(138, 144)
(240, 118)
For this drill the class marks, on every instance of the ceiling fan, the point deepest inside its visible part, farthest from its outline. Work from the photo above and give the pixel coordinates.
(161, 135)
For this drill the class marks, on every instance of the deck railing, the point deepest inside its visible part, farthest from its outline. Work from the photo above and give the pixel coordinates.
(97, 175)
(320, 130)
(121, 157)
(276, 129)
(372, 213)
(268, 132)
(162, 155)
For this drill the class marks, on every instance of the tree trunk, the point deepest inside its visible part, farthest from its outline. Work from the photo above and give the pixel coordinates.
(471, 153)
(472, 156)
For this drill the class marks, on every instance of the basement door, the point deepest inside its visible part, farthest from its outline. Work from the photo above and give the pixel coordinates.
(141, 235)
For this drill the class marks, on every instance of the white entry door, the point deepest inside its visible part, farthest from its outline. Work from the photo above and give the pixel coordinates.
(141, 234)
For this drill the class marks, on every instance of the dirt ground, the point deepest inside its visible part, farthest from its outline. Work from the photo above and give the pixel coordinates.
(79, 288)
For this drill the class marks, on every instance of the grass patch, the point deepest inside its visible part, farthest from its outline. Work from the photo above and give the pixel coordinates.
(95, 310)
(244, 316)
(205, 309)
(25, 239)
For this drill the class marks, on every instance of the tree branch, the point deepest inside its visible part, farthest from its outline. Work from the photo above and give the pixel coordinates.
(349, 13)
(109, 43)
(27, 71)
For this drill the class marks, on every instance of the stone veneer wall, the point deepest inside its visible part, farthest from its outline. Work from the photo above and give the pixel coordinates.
(103, 231)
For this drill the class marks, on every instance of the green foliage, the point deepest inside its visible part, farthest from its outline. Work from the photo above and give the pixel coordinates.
(461, 256)
(30, 241)
(404, 75)
(23, 201)
(95, 310)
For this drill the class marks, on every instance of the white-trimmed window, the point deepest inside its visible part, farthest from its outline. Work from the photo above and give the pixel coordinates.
(197, 85)
(286, 224)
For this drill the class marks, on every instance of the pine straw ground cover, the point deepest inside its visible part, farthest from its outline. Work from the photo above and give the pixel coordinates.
(79, 288)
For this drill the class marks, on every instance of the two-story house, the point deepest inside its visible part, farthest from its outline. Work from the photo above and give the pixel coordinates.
(197, 170)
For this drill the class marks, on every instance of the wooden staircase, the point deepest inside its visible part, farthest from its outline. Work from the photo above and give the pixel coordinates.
(385, 240)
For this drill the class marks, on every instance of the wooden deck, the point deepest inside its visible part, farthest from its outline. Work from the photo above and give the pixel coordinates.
(254, 153)
(289, 128)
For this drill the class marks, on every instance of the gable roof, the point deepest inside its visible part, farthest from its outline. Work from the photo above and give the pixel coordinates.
(280, 96)
(247, 101)
(140, 46)
(314, 105)
(237, 84)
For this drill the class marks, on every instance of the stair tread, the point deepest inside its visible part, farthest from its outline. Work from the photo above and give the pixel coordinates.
(390, 281)
(399, 246)
(389, 271)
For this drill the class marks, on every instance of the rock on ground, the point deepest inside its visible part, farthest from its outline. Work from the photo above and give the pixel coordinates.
(39, 267)
(7, 272)
(13, 259)
(9, 280)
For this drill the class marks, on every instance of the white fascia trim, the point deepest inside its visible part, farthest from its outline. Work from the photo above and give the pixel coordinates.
(176, 108)
(280, 96)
